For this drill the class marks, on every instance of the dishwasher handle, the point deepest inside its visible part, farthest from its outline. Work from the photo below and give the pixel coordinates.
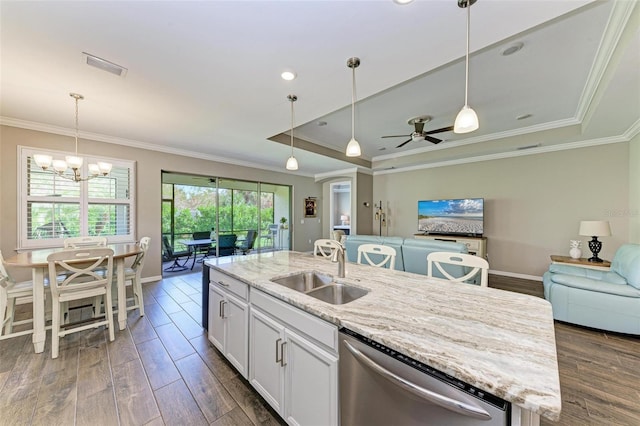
(443, 401)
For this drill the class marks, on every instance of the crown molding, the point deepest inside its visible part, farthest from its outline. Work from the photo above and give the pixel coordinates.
(508, 154)
(48, 128)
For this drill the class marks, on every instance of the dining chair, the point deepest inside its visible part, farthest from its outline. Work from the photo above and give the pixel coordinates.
(180, 258)
(471, 263)
(133, 275)
(10, 291)
(386, 254)
(78, 242)
(270, 234)
(202, 249)
(88, 273)
(325, 247)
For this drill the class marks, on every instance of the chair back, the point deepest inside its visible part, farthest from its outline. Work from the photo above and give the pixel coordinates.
(167, 247)
(251, 239)
(325, 247)
(201, 235)
(80, 269)
(472, 264)
(337, 235)
(139, 260)
(377, 255)
(78, 242)
(4, 275)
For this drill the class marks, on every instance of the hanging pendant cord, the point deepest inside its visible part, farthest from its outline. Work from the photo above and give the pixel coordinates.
(466, 81)
(292, 127)
(353, 102)
(76, 126)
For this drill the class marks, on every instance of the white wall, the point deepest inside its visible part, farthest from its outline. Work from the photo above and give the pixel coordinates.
(533, 203)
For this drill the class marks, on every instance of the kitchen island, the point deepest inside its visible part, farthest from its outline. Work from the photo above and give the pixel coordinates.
(499, 341)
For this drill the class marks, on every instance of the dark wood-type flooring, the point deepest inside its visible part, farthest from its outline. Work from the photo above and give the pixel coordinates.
(162, 370)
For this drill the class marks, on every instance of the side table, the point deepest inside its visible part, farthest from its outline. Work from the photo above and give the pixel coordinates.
(582, 262)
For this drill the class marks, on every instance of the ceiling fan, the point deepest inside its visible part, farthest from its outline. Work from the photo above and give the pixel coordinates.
(419, 134)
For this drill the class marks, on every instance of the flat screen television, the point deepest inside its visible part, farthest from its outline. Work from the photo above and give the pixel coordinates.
(464, 216)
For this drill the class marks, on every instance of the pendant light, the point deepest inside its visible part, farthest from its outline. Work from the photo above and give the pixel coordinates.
(353, 147)
(292, 163)
(73, 162)
(466, 120)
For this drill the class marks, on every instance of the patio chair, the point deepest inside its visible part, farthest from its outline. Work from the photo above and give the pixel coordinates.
(180, 259)
(246, 245)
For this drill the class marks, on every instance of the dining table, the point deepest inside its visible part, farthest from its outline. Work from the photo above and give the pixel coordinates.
(37, 261)
(194, 245)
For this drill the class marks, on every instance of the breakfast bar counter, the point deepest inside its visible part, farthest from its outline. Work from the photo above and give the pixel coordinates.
(499, 341)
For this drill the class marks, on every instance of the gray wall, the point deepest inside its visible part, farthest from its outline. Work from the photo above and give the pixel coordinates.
(149, 167)
(533, 203)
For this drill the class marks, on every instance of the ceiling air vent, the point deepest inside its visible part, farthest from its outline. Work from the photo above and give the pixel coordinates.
(104, 65)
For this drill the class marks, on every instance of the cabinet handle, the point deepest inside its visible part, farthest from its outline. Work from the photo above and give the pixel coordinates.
(282, 362)
(278, 360)
(222, 283)
(222, 303)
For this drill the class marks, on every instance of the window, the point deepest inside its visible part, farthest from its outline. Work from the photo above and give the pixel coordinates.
(53, 208)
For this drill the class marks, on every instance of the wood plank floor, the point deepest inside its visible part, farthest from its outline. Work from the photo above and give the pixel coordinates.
(162, 370)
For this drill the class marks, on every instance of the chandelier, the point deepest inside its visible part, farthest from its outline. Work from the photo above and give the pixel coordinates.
(73, 162)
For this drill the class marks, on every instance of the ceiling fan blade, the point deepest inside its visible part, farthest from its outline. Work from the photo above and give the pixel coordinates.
(395, 136)
(404, 143)
(444, 129)
(432, 139)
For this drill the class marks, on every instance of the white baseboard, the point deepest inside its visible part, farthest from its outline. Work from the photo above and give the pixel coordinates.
(515, 275)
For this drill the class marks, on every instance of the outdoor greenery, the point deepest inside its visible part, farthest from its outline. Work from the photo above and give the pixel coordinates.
(195, 210)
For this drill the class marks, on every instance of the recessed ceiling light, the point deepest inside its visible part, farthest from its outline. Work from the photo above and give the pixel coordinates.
(402, 1)
(510, 50)
(524, 116)
(104, 65)
(288, 75)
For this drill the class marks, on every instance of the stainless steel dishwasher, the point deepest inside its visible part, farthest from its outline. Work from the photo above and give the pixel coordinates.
(379, 386)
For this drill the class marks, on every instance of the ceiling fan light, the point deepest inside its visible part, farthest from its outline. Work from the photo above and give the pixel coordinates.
(353, 148)
(292, 163)
(466, 120)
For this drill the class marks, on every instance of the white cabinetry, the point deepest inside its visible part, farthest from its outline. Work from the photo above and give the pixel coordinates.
(475, 245)
(229, 319)
(293, 361)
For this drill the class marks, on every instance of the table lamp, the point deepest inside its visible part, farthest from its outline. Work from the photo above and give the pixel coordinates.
(595, 229)
(344, 218)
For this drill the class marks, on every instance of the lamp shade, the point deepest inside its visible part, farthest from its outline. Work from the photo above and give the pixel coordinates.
(595, 228)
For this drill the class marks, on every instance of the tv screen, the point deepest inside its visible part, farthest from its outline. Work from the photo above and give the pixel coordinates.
(451, 217)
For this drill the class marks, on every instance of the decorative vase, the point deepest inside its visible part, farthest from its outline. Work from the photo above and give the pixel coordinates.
(575, 252)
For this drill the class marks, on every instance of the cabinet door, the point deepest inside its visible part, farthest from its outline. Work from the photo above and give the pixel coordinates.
(311, 376)
(266, 373)
(216, 323)
(236, 339)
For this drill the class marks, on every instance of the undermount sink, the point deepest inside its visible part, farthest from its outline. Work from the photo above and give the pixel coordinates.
(321, 287)
(337, 294)
(304, 281)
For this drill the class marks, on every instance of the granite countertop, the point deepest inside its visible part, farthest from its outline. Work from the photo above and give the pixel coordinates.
(499, 341)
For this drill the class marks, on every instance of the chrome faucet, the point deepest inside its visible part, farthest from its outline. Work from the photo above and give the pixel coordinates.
(338, 256)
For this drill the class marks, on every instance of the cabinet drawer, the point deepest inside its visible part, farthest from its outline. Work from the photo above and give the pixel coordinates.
(313, 327)
(230, 284)
(472, 245)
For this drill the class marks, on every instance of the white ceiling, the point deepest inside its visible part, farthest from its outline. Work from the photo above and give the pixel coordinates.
(204, 77)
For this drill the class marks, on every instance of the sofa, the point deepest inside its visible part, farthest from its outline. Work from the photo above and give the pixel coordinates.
(411, 253)
(606, 300)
